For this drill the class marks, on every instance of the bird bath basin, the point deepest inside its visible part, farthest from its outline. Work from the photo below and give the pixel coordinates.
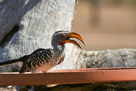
(71, 76)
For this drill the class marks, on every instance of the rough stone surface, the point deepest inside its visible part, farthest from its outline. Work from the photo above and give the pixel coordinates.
(37, 21)
(107, 58)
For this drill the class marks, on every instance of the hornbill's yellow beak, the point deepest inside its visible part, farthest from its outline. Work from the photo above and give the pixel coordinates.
(73, 35)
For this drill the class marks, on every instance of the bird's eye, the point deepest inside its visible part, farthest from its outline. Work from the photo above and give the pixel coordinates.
(63, 35)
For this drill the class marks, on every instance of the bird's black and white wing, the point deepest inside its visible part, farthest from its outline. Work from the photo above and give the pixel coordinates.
(37, 59)
(21, 59)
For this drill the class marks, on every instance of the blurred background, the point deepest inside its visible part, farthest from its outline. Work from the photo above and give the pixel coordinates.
(106, 24)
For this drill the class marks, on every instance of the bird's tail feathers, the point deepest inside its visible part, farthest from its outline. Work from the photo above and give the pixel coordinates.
(22, 59)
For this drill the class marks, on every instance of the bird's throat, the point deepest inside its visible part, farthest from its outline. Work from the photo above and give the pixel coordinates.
(59, 49)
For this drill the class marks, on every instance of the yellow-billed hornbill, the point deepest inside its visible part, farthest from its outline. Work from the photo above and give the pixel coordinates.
(42, 60)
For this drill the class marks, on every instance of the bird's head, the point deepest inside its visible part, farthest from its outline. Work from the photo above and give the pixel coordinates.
(62, 37)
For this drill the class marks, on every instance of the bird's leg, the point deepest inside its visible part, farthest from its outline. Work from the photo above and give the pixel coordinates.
(36, 71)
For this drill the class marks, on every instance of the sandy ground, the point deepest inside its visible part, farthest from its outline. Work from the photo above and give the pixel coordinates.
(113, 28)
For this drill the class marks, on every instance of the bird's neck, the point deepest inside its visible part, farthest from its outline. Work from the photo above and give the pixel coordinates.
(59, 49)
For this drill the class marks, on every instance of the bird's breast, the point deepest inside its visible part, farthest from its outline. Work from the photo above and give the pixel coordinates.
(45, 67)
(44, 60)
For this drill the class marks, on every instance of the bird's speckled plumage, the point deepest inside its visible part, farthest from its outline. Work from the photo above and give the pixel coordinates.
(41, 60)
(45, 59)
(37, 59)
